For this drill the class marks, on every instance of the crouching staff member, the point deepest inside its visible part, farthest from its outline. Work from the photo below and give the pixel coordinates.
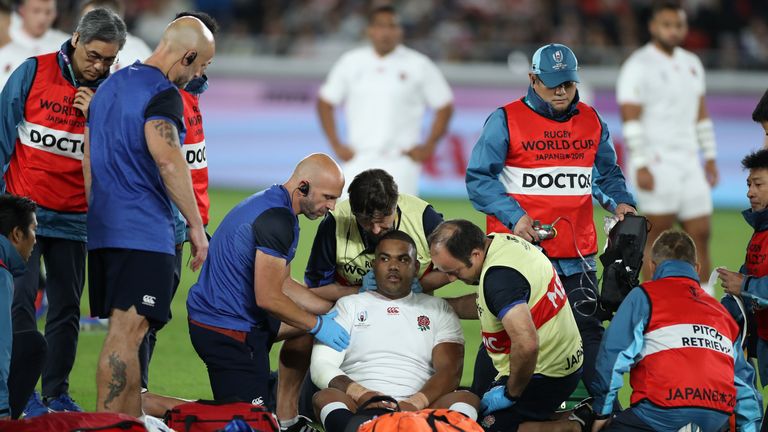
(681, 349)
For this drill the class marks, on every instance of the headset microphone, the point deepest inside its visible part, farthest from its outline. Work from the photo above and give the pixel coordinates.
(304, 188)
(191, 57)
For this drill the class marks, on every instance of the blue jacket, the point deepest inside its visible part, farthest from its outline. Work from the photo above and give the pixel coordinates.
(11, 266)
(753, 288)
(620, 350)
(489, 196)
(70, 226)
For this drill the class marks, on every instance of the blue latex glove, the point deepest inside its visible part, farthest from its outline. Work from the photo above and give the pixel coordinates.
(330, 332)
(495, 399)
(369, 283)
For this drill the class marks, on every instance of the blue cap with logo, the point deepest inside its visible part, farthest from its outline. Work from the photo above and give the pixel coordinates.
(555, 64)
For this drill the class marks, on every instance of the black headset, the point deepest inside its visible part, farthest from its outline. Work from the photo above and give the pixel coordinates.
(304, 188)
(189, 58)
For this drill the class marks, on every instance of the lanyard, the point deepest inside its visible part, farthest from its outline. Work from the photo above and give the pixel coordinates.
(69, 67)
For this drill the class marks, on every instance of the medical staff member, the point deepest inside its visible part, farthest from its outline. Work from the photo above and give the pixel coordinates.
(537, 159)
(751, 281)
(681, 349)
(245, 299)
(41, 145)
(133, 170)
(527, 324)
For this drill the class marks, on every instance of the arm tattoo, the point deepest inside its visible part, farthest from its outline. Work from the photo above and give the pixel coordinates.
(168, 131)
(119, 378)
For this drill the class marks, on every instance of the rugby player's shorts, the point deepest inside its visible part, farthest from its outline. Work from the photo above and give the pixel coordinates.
(680, 188)
(121, 278)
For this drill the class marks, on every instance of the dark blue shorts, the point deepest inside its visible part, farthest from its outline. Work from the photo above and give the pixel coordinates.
(539, 401)
(121, 278)
(238, 364)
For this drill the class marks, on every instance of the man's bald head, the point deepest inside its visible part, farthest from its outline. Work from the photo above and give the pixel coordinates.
(316, 183)
(185, 50)
(188, 34)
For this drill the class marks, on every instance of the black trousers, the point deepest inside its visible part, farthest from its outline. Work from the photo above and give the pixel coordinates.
(581, 291)
(27, 359)
(65, 276)
(147, 347)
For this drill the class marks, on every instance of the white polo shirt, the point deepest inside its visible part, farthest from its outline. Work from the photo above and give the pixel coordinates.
(385, 97)
(669, 89)
(391, 341)
(12, 55)
(50, 41)
(134, 49)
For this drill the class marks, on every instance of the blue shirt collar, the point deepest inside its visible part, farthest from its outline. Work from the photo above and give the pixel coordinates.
(11, 258)
(675, 268)
(286, 196)
(535, 102)
(758, 220)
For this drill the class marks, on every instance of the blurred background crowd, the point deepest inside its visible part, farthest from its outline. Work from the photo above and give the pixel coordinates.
(726, 34)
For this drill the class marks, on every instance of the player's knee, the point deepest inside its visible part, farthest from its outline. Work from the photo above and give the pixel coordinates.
(127, 326)
(467, 397)
(324, 397)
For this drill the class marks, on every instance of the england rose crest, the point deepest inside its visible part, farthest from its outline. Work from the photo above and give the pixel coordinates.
(423, 323)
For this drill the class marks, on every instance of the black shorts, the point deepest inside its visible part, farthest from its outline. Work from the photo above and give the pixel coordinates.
(237, 362)
(121, 278)
(538, 402)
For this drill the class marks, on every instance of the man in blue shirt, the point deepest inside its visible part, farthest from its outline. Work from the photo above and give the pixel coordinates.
(133, 169)
(245, 291)
(42, 127)
(537, 159)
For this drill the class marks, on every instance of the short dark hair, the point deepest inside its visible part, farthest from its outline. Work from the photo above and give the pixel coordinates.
(5, 7)
(756, 160)
(113, 5)
(760, 114)
(673, 245)
(460, 237)
(398, 235)
(663, 5)
(15, 212)
(208, 20)
(372, 191)
(385, 8)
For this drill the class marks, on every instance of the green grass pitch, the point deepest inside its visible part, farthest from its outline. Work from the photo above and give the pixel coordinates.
(177, 370)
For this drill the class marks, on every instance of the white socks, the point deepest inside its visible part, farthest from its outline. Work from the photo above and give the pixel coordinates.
(464, 408)
(333, 406)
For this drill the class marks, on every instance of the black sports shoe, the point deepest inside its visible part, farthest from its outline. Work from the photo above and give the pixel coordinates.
(303, 425)
(583, 415)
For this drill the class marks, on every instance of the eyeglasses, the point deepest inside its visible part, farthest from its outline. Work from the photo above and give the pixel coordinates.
(94, 57)
(568, 85)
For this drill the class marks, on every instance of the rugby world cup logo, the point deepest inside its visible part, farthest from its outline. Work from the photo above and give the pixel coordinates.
(362, 316)
(558, 56)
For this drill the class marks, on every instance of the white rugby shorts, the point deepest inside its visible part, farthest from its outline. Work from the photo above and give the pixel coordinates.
(680, 188)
